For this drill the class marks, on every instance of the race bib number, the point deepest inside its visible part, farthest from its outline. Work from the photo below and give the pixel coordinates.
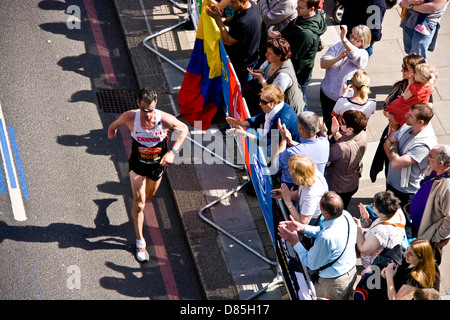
(149, 153)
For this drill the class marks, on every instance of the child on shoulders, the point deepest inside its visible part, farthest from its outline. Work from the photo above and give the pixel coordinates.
(418, 91)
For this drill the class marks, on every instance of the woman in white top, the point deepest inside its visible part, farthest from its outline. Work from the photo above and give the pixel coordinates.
(360, 99)
(312, 186)
(387, 231)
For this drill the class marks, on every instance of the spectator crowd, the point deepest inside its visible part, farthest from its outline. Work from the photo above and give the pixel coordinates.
(401, 234)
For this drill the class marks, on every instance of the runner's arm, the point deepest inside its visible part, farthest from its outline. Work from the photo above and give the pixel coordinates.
(173, 124)
(125, 118)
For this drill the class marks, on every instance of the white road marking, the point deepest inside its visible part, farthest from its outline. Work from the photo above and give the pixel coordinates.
(13, 184)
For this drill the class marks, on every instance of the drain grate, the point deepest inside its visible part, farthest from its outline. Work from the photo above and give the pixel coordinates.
(116, 101)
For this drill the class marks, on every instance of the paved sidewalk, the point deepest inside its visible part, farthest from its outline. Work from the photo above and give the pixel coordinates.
(226, 269)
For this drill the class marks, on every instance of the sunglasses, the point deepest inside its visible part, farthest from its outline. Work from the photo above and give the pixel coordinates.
(405, 68)
(264, 102)
(147, 110)
(278, 44)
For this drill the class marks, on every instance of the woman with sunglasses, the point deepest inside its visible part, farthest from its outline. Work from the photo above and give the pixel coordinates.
(344, 163)
(278, 70)
(425, 76)
(266, 123)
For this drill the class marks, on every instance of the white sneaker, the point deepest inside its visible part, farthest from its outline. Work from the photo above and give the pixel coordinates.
(142, 254)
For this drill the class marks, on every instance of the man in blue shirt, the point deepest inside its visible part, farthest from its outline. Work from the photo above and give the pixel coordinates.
(334, 243)
(317, 148)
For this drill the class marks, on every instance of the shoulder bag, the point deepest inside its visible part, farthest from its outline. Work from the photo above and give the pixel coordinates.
(314, 274)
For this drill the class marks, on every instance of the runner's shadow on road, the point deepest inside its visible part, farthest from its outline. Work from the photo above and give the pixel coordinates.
(96, 142)
(140, 282)
(69, 235)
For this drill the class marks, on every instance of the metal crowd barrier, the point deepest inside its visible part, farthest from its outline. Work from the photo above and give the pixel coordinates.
(191, 8)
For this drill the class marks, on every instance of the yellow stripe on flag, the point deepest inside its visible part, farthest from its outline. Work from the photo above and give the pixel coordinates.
(209, 32)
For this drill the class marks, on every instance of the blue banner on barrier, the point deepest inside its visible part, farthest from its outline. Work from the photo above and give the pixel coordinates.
(262, 182)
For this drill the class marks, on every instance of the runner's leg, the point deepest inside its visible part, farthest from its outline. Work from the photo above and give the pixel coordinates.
(151, 187)
(137, 212)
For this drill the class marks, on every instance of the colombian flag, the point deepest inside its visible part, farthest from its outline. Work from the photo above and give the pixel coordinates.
(201, 91)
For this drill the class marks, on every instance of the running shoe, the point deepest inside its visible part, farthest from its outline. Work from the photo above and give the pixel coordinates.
(142, 254)
(423, 29)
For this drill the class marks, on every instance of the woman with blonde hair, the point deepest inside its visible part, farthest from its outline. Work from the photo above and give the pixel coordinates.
(360, 99)
(361, 83)
(340, 62)
(417, 271)
(312, 186)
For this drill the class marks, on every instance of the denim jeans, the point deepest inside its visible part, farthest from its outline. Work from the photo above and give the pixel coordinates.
(303, 88)
(415, 42)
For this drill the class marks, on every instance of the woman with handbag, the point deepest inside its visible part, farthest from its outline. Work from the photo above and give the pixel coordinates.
(386, 231)
(344, 164)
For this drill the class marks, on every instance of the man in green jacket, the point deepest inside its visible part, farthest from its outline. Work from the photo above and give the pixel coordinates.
(303, 34)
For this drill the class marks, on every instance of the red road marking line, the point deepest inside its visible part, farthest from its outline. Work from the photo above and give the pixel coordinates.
(160, 251)
(155, 234)
(100, 42)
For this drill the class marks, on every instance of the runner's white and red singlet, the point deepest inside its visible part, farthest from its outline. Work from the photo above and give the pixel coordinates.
(148, 147)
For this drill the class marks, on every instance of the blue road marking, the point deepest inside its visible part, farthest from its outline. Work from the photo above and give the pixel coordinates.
(8, 159)
(2, 182)
(15, 150)
(36, 282)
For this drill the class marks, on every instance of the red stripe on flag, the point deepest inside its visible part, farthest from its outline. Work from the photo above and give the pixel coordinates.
(191, 101)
